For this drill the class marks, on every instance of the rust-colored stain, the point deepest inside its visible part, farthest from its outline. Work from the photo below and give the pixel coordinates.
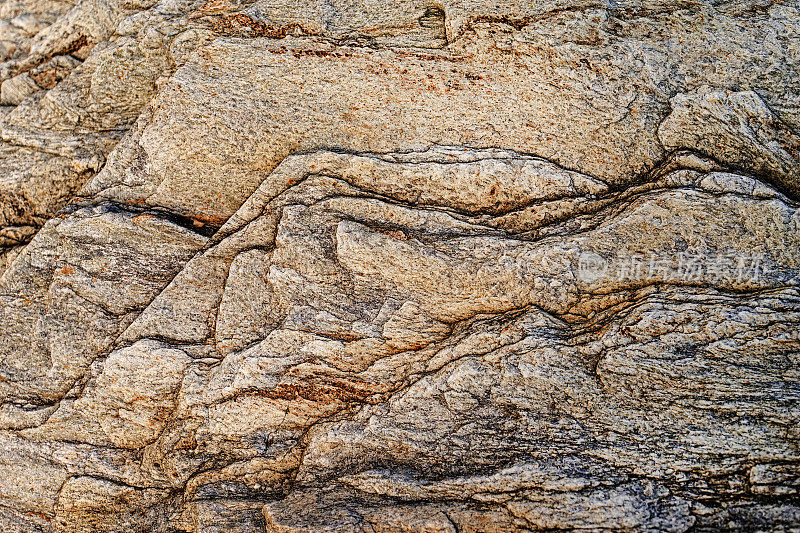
(397, 234)
(241, 25)
(321, 389)
(208, 219)
(143, 217)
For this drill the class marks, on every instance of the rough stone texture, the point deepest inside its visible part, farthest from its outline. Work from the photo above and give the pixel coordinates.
(299, 266)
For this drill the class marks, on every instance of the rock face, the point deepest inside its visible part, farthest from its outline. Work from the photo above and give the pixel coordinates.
(347, 265)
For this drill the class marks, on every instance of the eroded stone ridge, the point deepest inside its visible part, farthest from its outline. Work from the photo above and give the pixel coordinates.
(295, 266)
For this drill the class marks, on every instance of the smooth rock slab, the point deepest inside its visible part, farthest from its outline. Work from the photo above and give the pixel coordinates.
(339, 266)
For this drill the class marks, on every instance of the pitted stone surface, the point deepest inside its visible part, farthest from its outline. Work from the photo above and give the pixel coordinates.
(283, 266)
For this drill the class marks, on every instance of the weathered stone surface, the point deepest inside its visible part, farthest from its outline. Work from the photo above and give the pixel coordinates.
(405, 266)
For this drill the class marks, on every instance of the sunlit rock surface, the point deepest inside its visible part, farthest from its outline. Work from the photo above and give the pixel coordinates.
(298, 266)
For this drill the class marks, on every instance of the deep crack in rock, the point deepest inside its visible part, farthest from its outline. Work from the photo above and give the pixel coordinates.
(402, 266)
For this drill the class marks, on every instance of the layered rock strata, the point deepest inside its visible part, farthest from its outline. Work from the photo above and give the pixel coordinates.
(403, 266)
